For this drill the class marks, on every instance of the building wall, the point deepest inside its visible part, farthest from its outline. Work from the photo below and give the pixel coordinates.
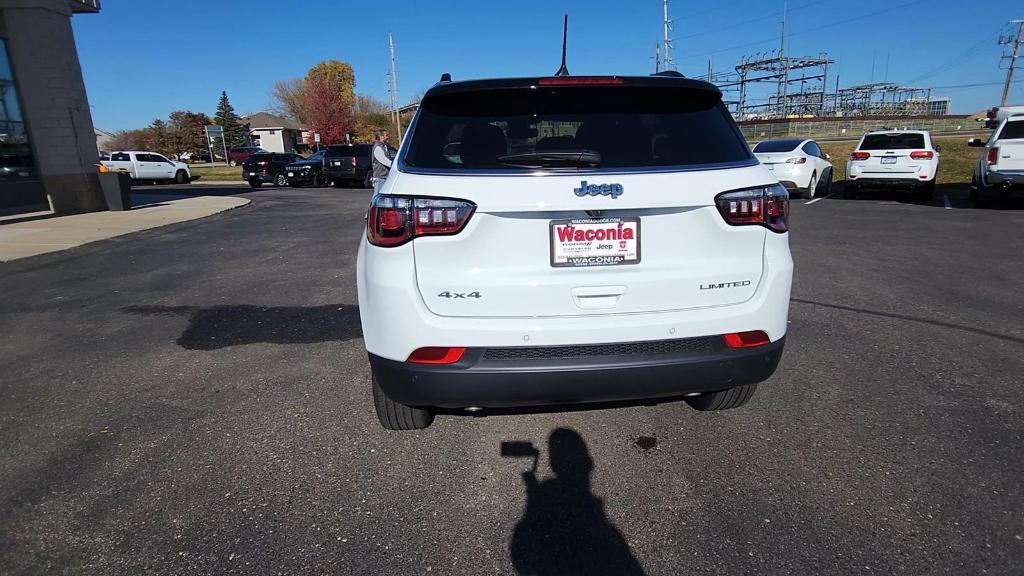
(282, 140)
(41, 45)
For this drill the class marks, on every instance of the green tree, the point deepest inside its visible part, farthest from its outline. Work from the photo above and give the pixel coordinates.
(235, 133)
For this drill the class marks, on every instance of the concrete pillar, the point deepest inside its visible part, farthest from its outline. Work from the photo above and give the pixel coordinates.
(41, 46)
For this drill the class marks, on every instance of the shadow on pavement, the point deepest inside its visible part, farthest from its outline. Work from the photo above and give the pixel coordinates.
(897, 316)
(223, 326)
(958, 195)
(564, 529)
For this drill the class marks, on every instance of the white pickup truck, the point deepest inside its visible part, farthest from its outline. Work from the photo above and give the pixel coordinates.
(997, 114)
(1000, 169)
(148, 166)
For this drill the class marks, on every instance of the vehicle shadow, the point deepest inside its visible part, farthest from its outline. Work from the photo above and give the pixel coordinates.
(954, 196)
(564, 529)
(223, 326)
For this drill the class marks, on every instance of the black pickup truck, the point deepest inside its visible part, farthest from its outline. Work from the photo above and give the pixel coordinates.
(348, 164)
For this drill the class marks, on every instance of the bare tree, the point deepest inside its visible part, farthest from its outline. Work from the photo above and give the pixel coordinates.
(288, 99)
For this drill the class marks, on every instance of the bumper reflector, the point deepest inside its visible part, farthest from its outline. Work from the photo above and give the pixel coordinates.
(746, 339)
(436, 355)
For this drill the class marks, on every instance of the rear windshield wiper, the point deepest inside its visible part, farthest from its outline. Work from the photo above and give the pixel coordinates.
(577, 158)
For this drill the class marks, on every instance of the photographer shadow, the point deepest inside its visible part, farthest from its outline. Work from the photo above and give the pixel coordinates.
(564, 529)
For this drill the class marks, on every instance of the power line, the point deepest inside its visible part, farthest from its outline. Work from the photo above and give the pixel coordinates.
(808, 31)
(718, 29)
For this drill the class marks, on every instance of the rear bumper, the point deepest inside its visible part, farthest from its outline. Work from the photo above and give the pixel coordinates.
(480, 380)
(258, 175)
(904, 183)
(336, 173)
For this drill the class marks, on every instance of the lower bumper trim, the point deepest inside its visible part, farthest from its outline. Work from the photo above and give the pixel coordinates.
(478, 382)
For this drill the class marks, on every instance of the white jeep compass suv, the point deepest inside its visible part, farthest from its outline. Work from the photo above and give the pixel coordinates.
(572, 240)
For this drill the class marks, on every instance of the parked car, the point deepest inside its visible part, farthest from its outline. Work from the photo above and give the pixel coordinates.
(905, 160)
(308, 171)
(237, 156)
(572, 240)
(1000, 169)
(800, 165)
(267, 167)
(143, 165)
(995, 115)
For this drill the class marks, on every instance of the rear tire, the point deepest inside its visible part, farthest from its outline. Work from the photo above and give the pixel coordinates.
(255, 183)
(927, 192)
(723, 399)
(812, 186)
(366, 181)
(395, 416)
(824, 189)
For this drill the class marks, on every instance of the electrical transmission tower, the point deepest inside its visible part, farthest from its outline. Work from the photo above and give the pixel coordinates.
(1012, 56)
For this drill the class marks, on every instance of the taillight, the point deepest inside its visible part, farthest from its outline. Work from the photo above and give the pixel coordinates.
(993, 155)
(436, 355)
(353, 160)
(991, 113)
(796, 160)
(860, 156)
(767, 206)
(922, 154)
(746, 339)
(394, 220)
(263, 162)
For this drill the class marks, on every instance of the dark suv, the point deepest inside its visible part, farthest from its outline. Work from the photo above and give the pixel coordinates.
(308, 171)
(267, 167)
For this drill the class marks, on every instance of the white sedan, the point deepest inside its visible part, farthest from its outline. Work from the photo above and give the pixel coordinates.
(800, 165)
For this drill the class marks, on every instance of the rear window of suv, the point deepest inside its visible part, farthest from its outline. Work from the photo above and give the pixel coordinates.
(347, 151)
(626, 126)
(903, 141)
(1013, 129)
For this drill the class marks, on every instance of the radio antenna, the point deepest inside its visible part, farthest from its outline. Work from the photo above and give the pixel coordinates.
(563, 71)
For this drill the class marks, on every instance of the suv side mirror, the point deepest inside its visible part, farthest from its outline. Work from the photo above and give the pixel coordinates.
(826, 156)
(976, 143)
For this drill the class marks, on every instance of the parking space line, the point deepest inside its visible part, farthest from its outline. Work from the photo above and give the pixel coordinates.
(813, 200)
(945, 200)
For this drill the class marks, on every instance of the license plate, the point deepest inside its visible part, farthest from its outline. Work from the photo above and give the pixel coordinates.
(888, 160)
(290, 174)
(598, 242)
(252, 173)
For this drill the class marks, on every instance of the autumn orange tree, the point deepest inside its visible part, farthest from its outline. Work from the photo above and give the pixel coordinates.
(330, 95)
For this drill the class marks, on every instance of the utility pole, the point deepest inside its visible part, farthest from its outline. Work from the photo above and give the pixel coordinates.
(1013, 58)
(657, 57)
(394, 89)
(667, 41)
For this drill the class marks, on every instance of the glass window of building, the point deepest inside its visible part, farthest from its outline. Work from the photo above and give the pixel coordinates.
(16, 161)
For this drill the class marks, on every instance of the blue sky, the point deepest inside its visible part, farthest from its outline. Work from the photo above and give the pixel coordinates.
(143, 59)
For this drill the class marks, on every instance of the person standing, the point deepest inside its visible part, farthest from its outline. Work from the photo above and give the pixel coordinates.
(380, 161)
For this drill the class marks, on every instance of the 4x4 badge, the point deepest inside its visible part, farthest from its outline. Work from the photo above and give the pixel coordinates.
(613, 190)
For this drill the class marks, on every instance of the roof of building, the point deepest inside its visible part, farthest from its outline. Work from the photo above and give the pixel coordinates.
(267, 120)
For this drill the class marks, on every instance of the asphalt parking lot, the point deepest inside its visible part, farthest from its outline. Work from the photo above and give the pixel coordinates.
(195, 399)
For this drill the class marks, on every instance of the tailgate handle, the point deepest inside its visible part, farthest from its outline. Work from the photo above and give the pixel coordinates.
(597, 297)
